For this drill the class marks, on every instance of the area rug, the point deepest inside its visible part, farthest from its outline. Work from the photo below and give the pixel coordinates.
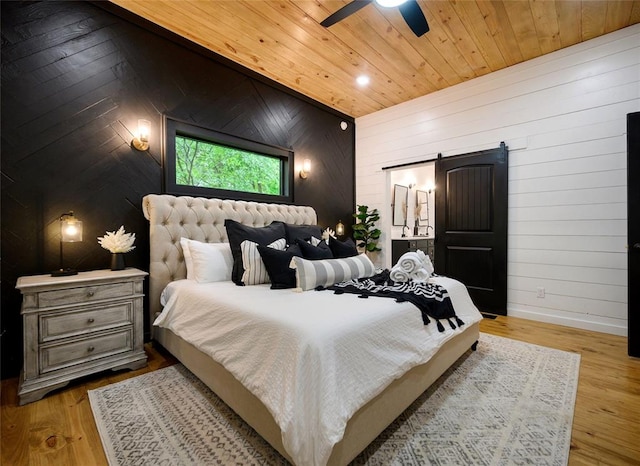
(506, 403)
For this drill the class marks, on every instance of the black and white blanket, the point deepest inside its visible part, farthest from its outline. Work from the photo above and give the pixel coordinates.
(432, 300)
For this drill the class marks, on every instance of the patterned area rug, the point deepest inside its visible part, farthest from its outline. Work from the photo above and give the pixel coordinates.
(507, 403)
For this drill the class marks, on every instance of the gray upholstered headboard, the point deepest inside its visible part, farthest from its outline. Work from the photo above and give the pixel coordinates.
(171, 218)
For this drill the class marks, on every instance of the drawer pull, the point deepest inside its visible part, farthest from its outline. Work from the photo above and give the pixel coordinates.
(90, 293)
(91, 320)
(90, 349)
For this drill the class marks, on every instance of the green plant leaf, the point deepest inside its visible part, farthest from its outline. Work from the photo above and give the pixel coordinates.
(364, 229)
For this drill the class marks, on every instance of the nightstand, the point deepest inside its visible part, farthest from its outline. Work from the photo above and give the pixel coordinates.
(78, 325)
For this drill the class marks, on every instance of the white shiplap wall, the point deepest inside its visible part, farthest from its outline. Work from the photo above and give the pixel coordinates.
(563, 117)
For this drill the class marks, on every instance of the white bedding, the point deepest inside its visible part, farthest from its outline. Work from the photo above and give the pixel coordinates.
(312, 358)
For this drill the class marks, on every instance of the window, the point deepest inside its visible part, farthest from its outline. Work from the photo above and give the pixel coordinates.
(203, 162)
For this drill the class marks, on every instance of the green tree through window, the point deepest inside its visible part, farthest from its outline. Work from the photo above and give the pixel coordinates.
(199, 161)
(209, 165)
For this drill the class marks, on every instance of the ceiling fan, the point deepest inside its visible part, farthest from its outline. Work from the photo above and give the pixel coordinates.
(409, 9)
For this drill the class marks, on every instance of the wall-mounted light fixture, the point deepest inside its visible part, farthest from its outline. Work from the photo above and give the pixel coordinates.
(70, 232)
(141, 142)
(344, 125)
(340, 228)
(306, 168)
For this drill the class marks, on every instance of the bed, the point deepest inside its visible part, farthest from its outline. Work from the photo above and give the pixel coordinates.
(360, 420)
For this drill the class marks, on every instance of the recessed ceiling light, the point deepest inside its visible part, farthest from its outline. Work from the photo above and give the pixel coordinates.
(362, 80)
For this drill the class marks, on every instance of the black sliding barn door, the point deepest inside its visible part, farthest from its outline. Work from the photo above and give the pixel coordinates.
(471, 224)
(633, 233)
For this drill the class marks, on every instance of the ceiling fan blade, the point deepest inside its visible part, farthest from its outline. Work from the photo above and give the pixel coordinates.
(342, 13)
(414, 17)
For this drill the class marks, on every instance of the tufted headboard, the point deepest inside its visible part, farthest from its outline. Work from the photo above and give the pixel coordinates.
(171, 218)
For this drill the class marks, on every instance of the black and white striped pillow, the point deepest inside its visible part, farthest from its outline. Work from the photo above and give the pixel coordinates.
(255, 272)
(326, 272)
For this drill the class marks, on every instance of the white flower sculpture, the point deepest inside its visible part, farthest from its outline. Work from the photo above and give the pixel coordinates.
(327, 233)
(117, 241)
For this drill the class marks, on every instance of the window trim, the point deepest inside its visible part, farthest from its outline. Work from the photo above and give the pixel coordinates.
(173, 127)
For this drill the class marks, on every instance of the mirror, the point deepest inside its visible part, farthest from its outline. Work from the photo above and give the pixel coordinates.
(422, 200)
(400, 199)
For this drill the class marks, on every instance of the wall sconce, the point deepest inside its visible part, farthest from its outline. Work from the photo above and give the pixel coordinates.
(70, 232)
(340, 228)
(142, 141)
(306, 168)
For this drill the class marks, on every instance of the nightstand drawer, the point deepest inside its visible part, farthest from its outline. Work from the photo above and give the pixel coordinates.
(84, 294)
(61, 325)
(56, 357)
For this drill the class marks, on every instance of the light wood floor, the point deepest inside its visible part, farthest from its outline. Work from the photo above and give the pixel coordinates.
(60, 430)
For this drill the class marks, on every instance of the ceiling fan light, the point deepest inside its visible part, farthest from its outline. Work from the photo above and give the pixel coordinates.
(389, 3)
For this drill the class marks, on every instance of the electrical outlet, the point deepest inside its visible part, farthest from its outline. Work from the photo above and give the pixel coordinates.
(540, 293)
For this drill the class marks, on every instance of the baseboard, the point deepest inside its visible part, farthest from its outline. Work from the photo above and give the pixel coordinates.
(568, 322)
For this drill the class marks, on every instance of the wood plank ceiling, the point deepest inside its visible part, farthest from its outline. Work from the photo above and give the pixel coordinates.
(283, 40)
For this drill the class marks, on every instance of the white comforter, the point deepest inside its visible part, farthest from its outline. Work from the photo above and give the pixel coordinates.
(313, 358)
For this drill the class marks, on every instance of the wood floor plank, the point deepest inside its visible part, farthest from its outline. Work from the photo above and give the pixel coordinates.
(60, 429)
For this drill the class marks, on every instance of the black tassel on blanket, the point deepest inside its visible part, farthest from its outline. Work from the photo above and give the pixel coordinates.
(432, 300)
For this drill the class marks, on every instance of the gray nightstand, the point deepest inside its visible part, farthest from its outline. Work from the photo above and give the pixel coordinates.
(78, 325)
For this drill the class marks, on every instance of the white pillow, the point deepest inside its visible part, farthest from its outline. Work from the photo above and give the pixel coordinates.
(188, 261)
(207, 262)
(313, 273)
(255, 271)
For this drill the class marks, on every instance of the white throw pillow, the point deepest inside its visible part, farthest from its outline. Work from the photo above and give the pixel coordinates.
(313, 273)
(188, 261)
(255, 271)
(207, 262)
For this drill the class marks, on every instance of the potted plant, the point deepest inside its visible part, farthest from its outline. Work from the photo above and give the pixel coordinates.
(364, 231)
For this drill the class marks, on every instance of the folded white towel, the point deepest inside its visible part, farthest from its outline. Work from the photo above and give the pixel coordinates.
(420, 276)
(398, 275)
(410, 262)
(415, 265)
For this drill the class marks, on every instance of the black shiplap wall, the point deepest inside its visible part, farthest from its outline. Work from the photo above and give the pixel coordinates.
(76, 76)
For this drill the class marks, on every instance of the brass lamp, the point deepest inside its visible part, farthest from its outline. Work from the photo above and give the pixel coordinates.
(340, 228)
(70, 232)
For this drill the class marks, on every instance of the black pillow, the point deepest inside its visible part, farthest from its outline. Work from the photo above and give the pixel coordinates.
(277, 264)
(342, 249)
(311, 252)
(237, 233)
(301, 232)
